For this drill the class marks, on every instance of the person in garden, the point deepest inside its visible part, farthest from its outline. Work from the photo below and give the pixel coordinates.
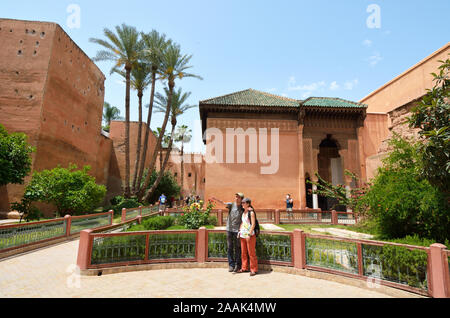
(162, 203)
(289, 205)
(247, 236)
(233, 223)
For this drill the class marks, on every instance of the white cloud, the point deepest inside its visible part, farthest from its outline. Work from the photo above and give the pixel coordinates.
(374, 59)
(349, 85)
(334, 86)
(292, 85)
(367, 43)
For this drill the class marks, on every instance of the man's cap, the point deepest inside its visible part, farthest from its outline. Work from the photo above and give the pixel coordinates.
(240, 194)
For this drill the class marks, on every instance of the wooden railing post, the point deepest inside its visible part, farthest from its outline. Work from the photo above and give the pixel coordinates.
(220, 218)
(298, 249)
(277, 216)
(438, 271)
(334, 218)
(140, 210)
(360, 259)
(68, 224)
(84, 250)
(202, 245)
(139, 219)
(124, 215)
(112, 216)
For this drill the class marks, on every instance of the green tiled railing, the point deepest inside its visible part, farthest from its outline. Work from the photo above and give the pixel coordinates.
(117, 249)
(335, 255)
(269, 247)
(95, 221)
(132, 213)
(30, 233)
(172, 246)
(396, 264)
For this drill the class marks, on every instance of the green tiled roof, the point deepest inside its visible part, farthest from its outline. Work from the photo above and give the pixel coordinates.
(331, 102)
(251, 97)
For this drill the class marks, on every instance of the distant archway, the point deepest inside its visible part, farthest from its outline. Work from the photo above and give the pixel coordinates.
(330, 168)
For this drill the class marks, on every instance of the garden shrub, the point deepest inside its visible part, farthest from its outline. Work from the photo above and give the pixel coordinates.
(403, 203)
(158, 223)
(195, 216)
(72, 191)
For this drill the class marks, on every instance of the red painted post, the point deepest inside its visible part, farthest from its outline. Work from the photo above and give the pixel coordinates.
(360, 259)
(68, 224)
(277, 216)
(220, 217)
(334, 218)
(84, 250)
(140, 210)
(298, 249)
(112, 216)
(438, 271)
(202, 245)
(319, 216)
(124, 215)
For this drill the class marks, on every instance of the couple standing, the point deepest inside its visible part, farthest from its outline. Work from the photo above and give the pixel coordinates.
(241, 238)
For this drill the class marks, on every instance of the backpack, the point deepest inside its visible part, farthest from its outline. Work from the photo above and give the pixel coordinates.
(257, 229)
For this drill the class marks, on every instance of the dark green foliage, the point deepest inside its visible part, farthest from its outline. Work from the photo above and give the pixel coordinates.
(168, 185)
(432, 117)
(30, 212)
(158, 223)
(122, 203)
(212, 220)
(15, 157)
(117, 249)
(403, 203)
(71, 191)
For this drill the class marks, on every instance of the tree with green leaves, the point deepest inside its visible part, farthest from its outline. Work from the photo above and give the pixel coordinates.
(72, 191)
(110, 113)
(15, 157)
(155, 45)
(140, 80)
(432, 117)
(183, 136)
(174, 65)
(123, 48)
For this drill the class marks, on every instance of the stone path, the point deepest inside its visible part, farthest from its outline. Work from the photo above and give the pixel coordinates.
(344, 233)
(50, 273)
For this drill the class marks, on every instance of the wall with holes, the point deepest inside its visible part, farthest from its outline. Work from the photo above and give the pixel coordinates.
(53, 92)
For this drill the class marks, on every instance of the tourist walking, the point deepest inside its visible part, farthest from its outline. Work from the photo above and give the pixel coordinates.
(162, 203)
(289, 206)
(247, 236)
(233, 224)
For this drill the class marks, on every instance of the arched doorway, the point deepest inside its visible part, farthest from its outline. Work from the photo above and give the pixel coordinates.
(308, 188)
(330, 168)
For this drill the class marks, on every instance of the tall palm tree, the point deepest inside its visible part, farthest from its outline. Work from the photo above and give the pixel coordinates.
(178, 107)
(165, 143)
(173, 65)
(123, 48)
(155, 45)
(110, 113)
(183, 135)
(140, 80)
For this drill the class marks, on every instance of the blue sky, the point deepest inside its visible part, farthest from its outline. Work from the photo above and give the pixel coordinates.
(291, 48)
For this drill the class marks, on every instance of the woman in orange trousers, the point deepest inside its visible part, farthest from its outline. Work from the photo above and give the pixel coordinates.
(248, 238)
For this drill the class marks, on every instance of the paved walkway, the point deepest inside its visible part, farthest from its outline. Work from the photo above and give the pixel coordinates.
(49, 273)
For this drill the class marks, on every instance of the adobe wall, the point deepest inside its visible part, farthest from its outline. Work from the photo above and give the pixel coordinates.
(117, 135)
(24, 59)
(194, 164)
(408, 86)
(72, 109)
(223, 180)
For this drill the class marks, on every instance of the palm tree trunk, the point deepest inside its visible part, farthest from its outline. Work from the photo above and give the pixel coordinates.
(158, 143)
(147, 133)
(163, 168)
(127, 133)
(138, 149)
(160, 158)
(182, 167)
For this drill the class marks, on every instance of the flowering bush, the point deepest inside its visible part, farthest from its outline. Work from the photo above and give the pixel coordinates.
(196, 215)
